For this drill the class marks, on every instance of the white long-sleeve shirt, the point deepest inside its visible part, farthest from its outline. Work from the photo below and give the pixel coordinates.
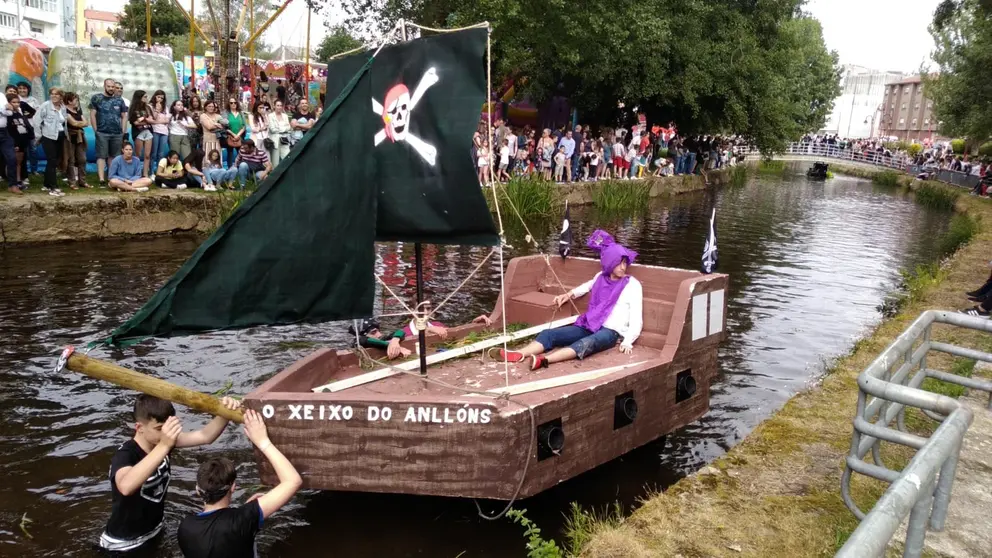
(626, 318)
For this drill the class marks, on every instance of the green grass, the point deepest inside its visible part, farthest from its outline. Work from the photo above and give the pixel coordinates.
(935, 196)
(886, 178)
(918, 282)
(961, 230)
(232, 199)
(963, 367)
(611, 196)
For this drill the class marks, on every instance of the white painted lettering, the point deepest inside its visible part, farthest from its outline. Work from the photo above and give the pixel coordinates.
(347, 413)
(447, 416)
(411, 415)
(434, 417)
(462, 414)
(473, 416)
(335, 411)
(484, 416)
(268, 411)
(321, 412)
(308, 412)
(294, 412)
(387, 413)
(423, 414)
(372, 413)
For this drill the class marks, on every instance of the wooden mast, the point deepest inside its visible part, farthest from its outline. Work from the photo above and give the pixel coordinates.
(306, 77)
(148, 25)
(192, 47)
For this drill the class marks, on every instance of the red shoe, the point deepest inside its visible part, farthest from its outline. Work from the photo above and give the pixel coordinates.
(538, 361)
(508, 356)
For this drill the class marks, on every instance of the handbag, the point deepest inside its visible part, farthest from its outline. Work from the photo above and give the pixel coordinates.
(269, 144)
(283, 140)
(234, 141)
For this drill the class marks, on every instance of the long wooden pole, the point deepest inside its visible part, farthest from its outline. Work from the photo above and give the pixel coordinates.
(258, 32)
(191, 20)
(192, 46)
(107, 371)
(148, 25)
(306, 80)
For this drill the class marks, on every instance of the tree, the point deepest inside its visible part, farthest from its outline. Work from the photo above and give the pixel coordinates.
(336, 42)
(760, 69)
(167, 20)
(960, 89)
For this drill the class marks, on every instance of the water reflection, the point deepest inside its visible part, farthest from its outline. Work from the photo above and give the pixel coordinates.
(809, 263)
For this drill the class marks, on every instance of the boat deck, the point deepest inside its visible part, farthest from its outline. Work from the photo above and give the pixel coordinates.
(479, 373)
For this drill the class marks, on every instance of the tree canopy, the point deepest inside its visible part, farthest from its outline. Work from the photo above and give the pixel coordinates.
(760, 69)
(338, 40)
(167, 20)
(961, 89)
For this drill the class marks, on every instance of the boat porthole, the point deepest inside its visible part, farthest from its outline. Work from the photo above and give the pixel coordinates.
(624, 410)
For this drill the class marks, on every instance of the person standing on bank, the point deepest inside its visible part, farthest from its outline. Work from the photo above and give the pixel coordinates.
(614, 313)
(51, 120)
(108, 118)
(220, 531)
(140, 471)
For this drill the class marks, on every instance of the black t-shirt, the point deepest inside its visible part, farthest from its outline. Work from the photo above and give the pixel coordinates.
(140, 513)
(224, 533)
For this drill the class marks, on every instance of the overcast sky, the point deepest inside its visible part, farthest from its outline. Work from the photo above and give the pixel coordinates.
(879, 34)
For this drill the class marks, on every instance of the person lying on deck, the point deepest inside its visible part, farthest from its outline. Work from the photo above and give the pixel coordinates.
(614, 312)
(370, 336)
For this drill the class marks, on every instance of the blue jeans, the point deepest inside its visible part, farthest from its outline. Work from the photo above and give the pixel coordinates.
(690, 162)
(579, 339)
(160, 146)
(679, 164)
(576, 158)
(243, 173)
(9, 157)
(219, 177)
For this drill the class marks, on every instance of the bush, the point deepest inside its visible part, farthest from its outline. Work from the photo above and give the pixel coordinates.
(738, 175)
(957, 145)
(936, 196)
(886, 178)
(985, 149)
(771, 167)
(530, 195)
(914, 149)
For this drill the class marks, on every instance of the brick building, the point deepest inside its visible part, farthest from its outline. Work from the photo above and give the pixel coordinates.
(907, 112)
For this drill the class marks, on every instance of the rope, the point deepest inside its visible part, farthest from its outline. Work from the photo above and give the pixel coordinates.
(462, 284)
(431, 29)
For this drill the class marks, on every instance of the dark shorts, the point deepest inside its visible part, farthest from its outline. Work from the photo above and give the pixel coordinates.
(579, 339)
(108, 146)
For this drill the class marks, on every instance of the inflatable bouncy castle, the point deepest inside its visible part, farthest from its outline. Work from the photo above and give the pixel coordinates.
(24, 64)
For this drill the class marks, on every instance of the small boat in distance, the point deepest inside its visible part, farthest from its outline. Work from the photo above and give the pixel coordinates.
(345, 428)
(818, 171)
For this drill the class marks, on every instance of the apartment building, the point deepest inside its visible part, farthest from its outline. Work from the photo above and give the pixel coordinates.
(38, 19)
(907, 112)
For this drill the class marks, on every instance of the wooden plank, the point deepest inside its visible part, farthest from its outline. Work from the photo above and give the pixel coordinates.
(559, 381)
(439, 357)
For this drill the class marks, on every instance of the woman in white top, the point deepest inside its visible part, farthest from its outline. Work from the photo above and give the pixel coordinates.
(258, 122)
(51, 118)
(160, 125)
(614, 313)
(279, 134)
(180, 124)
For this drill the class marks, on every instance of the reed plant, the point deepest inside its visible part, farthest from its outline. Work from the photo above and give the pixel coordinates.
(532, 196)
(960, 231)
(886, 178)
(231, 200)
(935, 196)
(771, 167)
(738, 175)
(614, 196)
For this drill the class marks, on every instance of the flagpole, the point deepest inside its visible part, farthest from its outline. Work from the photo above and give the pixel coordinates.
(419, 257)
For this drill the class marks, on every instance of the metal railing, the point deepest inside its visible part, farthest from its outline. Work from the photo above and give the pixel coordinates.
(900, 162)
(923, 488)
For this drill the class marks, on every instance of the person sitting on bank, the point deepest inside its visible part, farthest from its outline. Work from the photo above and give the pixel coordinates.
(170, 173)
(370, 336)
(222, 530)
(614, 313)
(253, 161)
(140, 471)
(126, 171)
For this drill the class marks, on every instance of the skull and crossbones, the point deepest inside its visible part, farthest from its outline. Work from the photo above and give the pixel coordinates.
(395, 111)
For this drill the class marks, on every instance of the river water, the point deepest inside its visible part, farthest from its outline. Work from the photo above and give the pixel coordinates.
(809, 264)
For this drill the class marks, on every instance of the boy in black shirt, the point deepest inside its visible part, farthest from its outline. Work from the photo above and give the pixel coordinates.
(140, 471)
(221, 531)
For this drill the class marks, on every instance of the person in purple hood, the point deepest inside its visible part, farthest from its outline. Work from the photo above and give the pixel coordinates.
(614, 312)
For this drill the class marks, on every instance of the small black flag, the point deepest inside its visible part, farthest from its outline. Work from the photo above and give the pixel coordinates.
(709, 249)
(565, 239)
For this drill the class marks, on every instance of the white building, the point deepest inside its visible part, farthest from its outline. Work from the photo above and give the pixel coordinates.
(37, 19)
(857, 111)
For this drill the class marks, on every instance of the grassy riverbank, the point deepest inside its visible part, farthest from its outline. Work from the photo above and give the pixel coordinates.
(777, 493)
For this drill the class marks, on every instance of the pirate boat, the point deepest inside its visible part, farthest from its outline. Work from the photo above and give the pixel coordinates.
(451, 423)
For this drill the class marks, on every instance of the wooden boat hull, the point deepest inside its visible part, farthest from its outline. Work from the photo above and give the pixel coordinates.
(407, 435)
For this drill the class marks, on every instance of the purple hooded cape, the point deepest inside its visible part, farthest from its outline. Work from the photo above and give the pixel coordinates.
(605, 291)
